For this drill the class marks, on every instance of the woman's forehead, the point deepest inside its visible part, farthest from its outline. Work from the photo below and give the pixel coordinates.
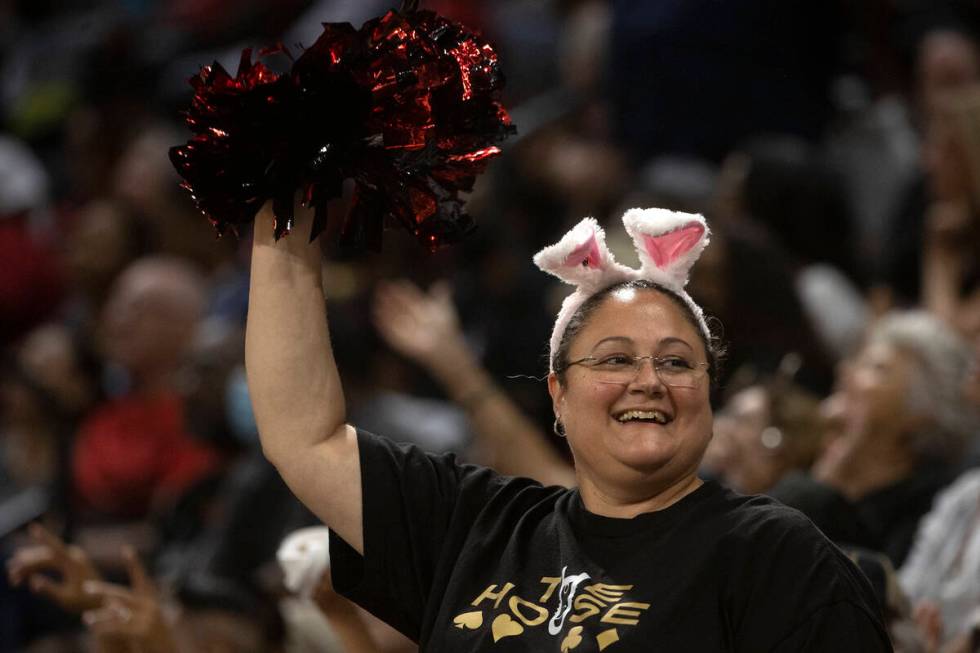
(640, 317)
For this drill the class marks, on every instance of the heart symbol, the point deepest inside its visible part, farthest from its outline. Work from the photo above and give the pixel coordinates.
(606, 638)
(471, 620)
(504, 626)
(573, 639)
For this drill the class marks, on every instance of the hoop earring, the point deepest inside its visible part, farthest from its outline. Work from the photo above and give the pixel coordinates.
(558, 428)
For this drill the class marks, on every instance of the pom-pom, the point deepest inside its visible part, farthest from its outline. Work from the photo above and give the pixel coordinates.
(407, 107)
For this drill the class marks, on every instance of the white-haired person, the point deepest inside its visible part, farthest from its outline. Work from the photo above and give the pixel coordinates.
(903, 421)
(642, 555)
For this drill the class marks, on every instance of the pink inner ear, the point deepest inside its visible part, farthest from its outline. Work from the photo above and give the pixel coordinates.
(586, 254)
(666, 248)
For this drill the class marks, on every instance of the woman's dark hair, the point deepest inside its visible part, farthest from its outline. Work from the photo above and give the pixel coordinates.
(713, 347)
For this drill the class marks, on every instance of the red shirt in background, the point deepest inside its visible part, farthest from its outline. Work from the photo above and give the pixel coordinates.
(134, 452)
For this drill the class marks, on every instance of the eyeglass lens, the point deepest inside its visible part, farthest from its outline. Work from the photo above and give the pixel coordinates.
(672, 371)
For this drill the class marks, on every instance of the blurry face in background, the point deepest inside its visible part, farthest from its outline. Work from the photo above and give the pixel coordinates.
(29, 425)
(872, 396)
(749, 459)
(144, 177)
(638, 323)
(48, 354)
(134, 328)
(98, 248)
(947, 61)
(149, 319)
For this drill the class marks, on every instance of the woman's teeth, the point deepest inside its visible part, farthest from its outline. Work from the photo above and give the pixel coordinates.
(644, 415)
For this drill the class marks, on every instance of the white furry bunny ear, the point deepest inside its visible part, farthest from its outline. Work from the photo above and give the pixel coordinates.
(581, 257)
(668, 242)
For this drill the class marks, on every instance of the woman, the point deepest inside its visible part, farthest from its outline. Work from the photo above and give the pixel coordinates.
(643, 555)
(903, 423)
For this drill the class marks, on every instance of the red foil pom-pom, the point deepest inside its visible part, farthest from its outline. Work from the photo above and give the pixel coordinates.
(407, 107)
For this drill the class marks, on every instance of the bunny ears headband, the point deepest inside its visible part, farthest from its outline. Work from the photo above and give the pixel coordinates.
(668, 242)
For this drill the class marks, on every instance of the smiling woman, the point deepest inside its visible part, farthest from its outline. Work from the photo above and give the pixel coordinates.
(644, 555)
(634, 429)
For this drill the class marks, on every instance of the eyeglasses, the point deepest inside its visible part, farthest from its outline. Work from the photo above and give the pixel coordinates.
(673, 371)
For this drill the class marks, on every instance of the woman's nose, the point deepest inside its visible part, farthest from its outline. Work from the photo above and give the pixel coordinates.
(646, 376)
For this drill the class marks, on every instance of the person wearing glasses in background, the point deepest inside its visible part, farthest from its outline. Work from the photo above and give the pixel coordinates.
(641, 555)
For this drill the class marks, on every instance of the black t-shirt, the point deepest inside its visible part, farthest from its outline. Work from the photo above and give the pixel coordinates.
(459, 558)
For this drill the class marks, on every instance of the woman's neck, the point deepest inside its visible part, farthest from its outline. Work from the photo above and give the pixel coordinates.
(628, 502)
(872, 464)
(877, 472)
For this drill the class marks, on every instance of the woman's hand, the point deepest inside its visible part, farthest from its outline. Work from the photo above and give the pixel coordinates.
(54, 570)
(841, 463)
(130, 618)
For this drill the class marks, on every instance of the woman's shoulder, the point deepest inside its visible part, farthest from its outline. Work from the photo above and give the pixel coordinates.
(752, 515)
(445, 475)
(761, 527)
(779, 562)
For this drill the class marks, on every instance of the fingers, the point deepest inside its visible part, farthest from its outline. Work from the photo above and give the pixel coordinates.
(30, 560)
(385, 315)
(138, 578)
(112, 618)
(397, 307)
(928, 618)
(44, 536)
(400, 299)
(49, 589)
(48, 554)
(106, 592)
(416, 324)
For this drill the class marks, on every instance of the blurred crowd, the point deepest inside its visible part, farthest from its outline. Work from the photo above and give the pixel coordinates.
(834, 148)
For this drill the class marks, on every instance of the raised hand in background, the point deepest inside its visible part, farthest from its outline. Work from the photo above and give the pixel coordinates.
(55, 570)
(129, 618)
(421, 326)
(425, 328)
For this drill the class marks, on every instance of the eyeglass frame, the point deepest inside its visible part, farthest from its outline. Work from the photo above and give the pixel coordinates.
(636, 364)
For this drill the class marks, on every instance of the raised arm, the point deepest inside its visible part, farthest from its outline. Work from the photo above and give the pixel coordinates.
(293, 381)
(943, 253)
(425, 328)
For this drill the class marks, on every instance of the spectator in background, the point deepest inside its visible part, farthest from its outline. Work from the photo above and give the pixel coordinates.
(31, 279)
(951, 247)
(780, 192)
(140, 616)
(763, 432)
(134, 449)
(947, 66)
(940, 575)
(903, 422)
(948, 60)
(146, 186)
(100, 242)
(745, 281)
(46, 386)
(425, 328)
